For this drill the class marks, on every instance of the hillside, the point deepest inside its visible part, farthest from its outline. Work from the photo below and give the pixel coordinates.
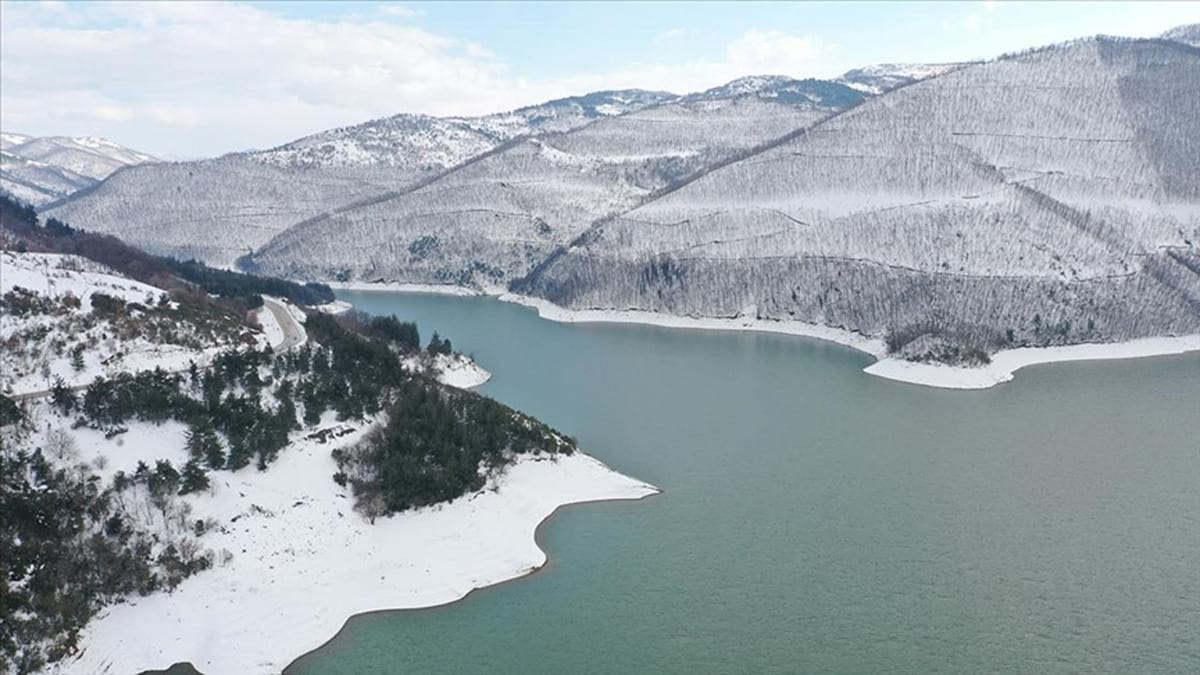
(1045, 198)
(140, 421)
(1189, 34)
(42, 170)
(220, 209)
(494, 219)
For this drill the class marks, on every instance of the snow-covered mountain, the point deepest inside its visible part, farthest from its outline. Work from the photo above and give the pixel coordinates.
(783, 89)
(95, 158)
(1048, 197)
(421, 143)
(495, 218)
(37, 182)
(8, 139)
(220, 209)
(885, 77)
(42, 170)
(1044, 197)
(1189, 34)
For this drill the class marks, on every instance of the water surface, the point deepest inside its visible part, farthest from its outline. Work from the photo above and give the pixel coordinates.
(818, 519)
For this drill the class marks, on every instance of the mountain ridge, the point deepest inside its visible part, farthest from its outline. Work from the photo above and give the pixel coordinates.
(43, 170)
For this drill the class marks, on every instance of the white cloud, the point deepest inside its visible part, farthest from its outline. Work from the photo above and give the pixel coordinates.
(981, 16)
(398, 10)
(670, 35)
(773, 51)
(236, 75)
(204, 78)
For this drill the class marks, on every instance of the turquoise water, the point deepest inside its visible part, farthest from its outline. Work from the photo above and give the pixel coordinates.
(817, 519)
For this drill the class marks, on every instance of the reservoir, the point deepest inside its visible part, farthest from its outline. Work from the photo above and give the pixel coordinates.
(817, 519)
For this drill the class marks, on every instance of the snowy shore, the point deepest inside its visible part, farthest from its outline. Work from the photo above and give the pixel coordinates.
(304, 562)
(398, 287)
(1002, 368)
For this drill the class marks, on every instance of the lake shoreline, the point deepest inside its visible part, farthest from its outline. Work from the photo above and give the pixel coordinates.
(419, 559)
(1002, 368)
(537, 538)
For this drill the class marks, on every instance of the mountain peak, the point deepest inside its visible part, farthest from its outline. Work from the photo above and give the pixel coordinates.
(784, 89)
(1188, 34)
(884, 77)
(39, 170)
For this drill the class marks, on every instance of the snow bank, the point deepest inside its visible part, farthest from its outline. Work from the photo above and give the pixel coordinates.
(399, 287)
(1007, 362)
(335, 307)
(459, 370)
(455, 370)
(1003, 364)
(548, 310)
(304, 561)
(1000, 370)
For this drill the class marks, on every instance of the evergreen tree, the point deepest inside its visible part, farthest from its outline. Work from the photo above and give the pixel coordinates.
(203, 445)
(62, 398)
(439, 345)
(193, 479)
(239, 455)
(77, 363)
(285, 394)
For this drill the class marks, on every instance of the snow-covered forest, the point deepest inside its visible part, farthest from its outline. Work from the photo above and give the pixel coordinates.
(1041, 198)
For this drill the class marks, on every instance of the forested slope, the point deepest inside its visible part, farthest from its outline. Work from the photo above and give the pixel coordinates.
(1047, 197)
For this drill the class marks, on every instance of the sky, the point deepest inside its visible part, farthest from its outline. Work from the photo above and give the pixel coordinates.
(182, 80)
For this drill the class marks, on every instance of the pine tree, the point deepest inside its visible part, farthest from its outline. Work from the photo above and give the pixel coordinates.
(239, 455)
(77, 363)
(204, 445)
(62, 398)
(194, 478)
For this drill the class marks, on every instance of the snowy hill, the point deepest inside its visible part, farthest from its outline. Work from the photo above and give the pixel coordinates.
(421, 143)
(885, 77)
(1189, 34)
(7, 139)
(494, 219)
(152, 505)
(95, 158)
(219, 209)
(42, 170)
(1045, 198)
(37, 182)
(57, 306)
(782, 89)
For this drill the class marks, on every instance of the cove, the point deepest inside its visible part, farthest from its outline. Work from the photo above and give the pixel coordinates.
(817, 519)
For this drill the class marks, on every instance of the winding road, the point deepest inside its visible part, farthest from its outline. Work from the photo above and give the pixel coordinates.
(293, 332)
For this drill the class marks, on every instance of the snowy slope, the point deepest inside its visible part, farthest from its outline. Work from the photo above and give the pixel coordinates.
(219, 209)
(42, 170)
(302, 561)
(884, 77)
(494, 219)
(35, 182)
(1189, 34)
(95, 158)
(40, 342)
(9, 139)
(1050, 197)
(421, 143)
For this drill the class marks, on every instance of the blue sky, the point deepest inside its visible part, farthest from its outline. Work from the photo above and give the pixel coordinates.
(186, 80)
